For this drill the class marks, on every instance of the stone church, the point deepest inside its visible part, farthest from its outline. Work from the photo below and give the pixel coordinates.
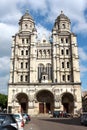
(44, 73)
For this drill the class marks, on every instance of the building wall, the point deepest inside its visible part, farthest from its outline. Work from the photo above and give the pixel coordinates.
(40, 67)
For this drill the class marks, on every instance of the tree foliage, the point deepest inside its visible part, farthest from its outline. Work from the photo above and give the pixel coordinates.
(3, 101)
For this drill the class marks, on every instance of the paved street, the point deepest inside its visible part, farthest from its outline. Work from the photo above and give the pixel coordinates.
(38, 123)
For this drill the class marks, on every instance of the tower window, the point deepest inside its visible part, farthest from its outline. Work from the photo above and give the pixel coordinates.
(26, 78)
(30, 25)
(26, 65)
(22, 40)
(22, 52)
(66, 40)
(44, 77)
(27, 40)
(63, 25)
(49, 71)
(67, 64)
(62, 64)
(62, 51)
(67, 51)
(44, 40)
(63, 77)
(62, 40)
(68, 77)
(21, 64)
(21, 78)
(26, 52)
(58, 26)
(26, 26)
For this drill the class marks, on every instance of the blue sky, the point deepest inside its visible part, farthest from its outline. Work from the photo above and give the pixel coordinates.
(44, 13)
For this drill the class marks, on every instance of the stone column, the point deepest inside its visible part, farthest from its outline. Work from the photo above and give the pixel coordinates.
(44, 107)
(57, 101)
(31, 101)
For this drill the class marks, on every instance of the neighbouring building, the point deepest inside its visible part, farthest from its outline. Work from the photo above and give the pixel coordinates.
(44, 74)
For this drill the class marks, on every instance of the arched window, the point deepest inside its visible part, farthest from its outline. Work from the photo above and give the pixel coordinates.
(62, 40)
(27, 40)
(40, 70)
(63, 77)
(21, 65)
(26, 52)
(49, 71)
(48, 53)
(21, 78)
(67, 64)
(22, 40)
(63, 26)
(68, 77)
(67, 51)
(66, 40)
(40, 53)
(62, 64)
(62, 51)
(26, 78)
(26, 65)
(44, 53)
(26, 26)
(22, 52)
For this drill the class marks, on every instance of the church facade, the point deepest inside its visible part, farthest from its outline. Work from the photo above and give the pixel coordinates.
(44, 74)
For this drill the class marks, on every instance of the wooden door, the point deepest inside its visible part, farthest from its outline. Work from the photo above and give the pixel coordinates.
(41, 107)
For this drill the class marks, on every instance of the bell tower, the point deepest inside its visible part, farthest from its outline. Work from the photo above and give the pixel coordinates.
(62, 23)
(65, 51)
(26, 23)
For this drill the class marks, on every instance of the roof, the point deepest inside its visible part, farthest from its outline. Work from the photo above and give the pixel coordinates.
(26, 16)
(63, 16)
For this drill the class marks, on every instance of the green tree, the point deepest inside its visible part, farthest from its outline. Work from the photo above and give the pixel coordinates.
(3, 101)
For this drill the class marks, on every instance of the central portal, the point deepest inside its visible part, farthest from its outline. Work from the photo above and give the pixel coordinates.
(44, 107)
(46, 101)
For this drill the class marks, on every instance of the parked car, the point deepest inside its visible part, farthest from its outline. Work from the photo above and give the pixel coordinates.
(7, 127)
(26, 117)
(20, 121)
(83, 118)
(56, 113)
(8, 122)
(60, 114)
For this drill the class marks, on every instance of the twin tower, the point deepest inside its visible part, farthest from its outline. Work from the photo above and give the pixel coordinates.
(44, 74)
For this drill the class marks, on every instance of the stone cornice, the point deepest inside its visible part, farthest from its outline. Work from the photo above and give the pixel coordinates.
(79, 83)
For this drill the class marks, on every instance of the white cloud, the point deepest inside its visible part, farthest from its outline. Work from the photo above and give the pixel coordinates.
(83, 68)
(82, 54)
(4, 74)
(6, 32)
(4, 65)
(11, 12)
(4, 84)
(39, 6)
(42, 30)
(73, 9)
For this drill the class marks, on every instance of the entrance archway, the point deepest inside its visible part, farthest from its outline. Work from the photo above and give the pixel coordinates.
(68, 102)
(46, 101)
(23, 101)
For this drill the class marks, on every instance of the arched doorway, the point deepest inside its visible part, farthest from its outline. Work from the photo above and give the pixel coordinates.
(23, 101)
(68, 102)
(46, 101)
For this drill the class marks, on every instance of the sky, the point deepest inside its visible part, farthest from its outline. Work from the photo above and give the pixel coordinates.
(44, 13)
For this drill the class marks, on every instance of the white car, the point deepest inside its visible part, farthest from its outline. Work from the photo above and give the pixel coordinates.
(19, 120)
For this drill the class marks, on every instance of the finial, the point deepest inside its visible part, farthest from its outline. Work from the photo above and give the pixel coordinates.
(27, 10)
